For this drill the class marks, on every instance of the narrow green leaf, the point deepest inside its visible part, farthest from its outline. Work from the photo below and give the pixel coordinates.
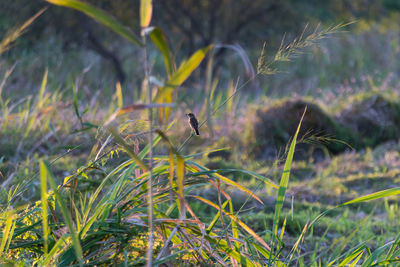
(43, 181)
(354, 263)
(299, 240)
(285, 178)
(376, 195)
(56, 249)
(375, 255)
(184, 71)
(235, 231)
(160, 40)
(352, 256)
(118, 93)
(226, 180)
(215, 219)
(100, 16)
(7, 232)
(65, 213)
(283, 229)
(42, 89)
(98, 212)
(256, 175)
(187, 67)
(262, 250)
(394, 246)
(76, 106)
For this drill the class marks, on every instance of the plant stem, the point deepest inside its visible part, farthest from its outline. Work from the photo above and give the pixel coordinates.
(149, 254)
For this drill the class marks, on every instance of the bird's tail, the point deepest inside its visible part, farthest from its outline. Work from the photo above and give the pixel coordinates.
(197, 131)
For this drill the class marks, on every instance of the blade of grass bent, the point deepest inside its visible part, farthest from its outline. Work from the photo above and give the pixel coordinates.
(160, 40)
(373, 196)
(100, 16)
(226, 180)
(284, 183)
(184, 71)
(285, 178)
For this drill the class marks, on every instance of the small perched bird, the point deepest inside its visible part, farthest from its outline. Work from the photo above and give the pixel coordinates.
(194, 124)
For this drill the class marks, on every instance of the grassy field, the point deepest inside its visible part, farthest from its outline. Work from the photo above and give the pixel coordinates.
(297, 162)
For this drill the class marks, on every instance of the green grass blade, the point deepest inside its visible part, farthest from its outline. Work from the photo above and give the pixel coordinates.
(256, 175)
(296, 245)
(354, 263)
(376, 195)
(8, 232)
(235, 231)
(215, 219)
(56, 249)
(352, 256)
(261, 249)
(160, 40)
(65, 213)
(285, 179)
(43, 191)
(184, 71)
(375, 255)
(42, 89)
(392, 249)
(100, 16)
(98, 212)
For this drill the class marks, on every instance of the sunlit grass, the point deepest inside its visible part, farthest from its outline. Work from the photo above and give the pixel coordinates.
(97, 212)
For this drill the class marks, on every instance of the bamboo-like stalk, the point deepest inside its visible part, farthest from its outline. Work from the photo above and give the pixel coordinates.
(149, 254)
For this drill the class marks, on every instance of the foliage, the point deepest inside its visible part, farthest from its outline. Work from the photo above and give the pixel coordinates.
(134, 202)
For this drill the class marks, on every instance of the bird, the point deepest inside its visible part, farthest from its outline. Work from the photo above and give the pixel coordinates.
(194, 124)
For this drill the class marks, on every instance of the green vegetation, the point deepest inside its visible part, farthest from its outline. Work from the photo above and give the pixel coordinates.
(98, 172)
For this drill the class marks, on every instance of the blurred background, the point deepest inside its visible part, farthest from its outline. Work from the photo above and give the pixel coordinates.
(67, 42)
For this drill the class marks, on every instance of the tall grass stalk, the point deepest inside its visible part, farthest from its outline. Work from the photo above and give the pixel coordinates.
(150, 140)
(145, 18)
